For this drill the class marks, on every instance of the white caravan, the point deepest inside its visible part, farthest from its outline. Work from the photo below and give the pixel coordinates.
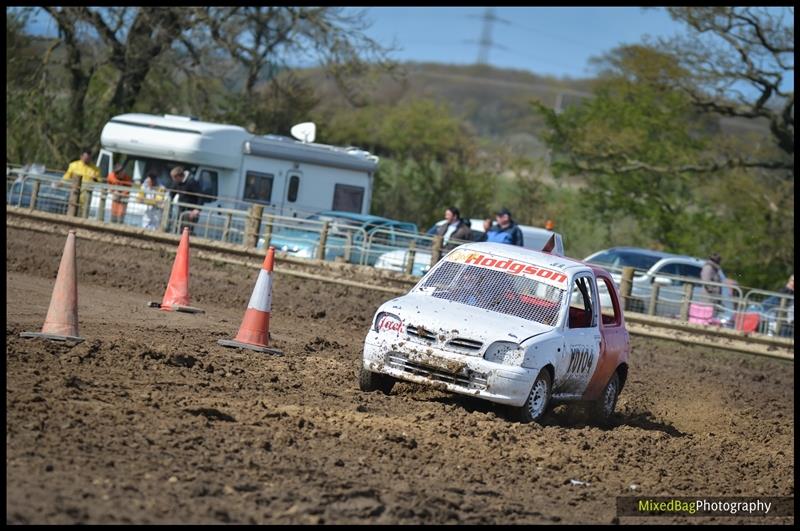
(235, 167)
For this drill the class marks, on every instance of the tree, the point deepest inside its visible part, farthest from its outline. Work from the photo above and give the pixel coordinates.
(652, 147)
(113, 58)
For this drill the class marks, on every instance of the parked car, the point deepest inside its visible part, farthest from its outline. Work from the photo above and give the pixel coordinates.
(670, 271)
(53, 195)
(506, 324)
(358, 238)
(532, 238)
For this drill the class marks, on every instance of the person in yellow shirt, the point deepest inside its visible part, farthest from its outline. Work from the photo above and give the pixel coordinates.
(88, 172)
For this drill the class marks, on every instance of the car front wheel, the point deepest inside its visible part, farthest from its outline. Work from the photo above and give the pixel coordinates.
(538, 400)
(372, 381)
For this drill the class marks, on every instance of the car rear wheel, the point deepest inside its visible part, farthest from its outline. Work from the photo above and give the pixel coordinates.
(372, 381)
(603, 407)
(538, 400)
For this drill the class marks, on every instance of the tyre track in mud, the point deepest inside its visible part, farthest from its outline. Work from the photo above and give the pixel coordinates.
(149, 420)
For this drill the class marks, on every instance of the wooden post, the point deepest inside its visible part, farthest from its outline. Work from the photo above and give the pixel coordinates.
(101, 206)
(34, 195)
(436, 250)
(781, 317)
(226, 227)
(654, 299)
(166, 211)
(625, 286)
(74, 196)
(688, 288)
(410, 255)
(348, 246)
(253, 225)
(268, 230)
(323, 241)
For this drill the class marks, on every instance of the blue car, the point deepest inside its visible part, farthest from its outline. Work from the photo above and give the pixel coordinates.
(356, 238)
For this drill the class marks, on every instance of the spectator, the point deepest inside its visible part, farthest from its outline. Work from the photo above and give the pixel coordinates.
(455, 228)
(152, 195)
(119, 198)
(504, 231)
(788, 289)
(710, 273)
(88, 172)
(187, 188)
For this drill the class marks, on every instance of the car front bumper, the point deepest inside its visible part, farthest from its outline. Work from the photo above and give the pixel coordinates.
(454, 372)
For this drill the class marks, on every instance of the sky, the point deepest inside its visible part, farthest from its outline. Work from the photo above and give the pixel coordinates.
(545, 41)
(555, 41)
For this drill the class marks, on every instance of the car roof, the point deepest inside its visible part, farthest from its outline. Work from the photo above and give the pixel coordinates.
(524, 254)
(368, 218)
(651, 252)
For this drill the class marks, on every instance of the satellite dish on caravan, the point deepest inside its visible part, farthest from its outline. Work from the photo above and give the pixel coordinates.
(305, 132)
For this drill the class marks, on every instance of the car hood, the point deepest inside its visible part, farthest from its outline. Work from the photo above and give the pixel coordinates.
(449, 319)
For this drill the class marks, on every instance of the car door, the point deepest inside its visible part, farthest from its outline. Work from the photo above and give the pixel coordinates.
(614, 341)
(581, 338)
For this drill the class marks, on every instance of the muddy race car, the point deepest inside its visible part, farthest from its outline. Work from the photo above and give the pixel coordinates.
(507, 324)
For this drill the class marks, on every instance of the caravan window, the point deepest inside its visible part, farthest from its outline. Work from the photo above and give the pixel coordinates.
(348, 198)
(258, 187)
(105, 165)
(208, 184)
(294, 187)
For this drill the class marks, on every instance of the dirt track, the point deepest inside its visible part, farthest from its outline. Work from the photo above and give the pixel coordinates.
(150, 421)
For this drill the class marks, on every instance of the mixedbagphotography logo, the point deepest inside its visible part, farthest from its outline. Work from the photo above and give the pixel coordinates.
(705, 506)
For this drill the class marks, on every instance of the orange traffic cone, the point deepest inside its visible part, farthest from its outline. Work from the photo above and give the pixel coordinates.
(177, 295)
(254, 331)
(61, 323)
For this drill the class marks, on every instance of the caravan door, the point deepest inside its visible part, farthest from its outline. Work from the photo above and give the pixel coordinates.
(294, 191)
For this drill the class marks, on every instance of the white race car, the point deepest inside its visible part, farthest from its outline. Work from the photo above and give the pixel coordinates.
(507, 324)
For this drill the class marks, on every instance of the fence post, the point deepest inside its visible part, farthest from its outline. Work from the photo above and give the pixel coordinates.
(625, 286)
(74, 196)
(268, 230)
(101, 206)
(226, 227)
(654, 299)
(167, 210)
(688, 288)
(781, 317)
(348, 246)
(253, 224)
(323, 241)
(436, 250)
(410, 255)
(34, 195)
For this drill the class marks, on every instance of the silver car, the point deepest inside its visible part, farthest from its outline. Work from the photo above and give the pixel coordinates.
(669, 271)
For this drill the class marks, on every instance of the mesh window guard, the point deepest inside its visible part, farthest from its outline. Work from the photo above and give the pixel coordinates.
(497, 291)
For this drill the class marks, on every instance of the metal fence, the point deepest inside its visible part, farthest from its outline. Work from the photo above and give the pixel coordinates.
(685, 298)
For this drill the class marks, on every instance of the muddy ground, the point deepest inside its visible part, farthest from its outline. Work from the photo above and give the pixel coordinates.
(149, 420)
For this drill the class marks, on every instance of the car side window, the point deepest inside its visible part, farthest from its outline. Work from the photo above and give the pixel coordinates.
(609, 313)
(692, 271)
(582, 304)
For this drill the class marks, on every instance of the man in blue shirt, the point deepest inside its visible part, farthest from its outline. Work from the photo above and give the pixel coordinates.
(504, 231)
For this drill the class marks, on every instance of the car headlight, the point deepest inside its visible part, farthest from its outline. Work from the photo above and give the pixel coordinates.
(388, 321)
(505, 352)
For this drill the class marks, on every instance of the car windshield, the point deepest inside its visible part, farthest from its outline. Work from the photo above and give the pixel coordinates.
(497, 291)
(620, 259)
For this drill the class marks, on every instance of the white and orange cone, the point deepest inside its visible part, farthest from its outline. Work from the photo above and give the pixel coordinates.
(254, 331)
(61, 323)
(176, 297)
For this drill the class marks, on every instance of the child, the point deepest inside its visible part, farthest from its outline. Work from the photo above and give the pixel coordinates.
(152, 195)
